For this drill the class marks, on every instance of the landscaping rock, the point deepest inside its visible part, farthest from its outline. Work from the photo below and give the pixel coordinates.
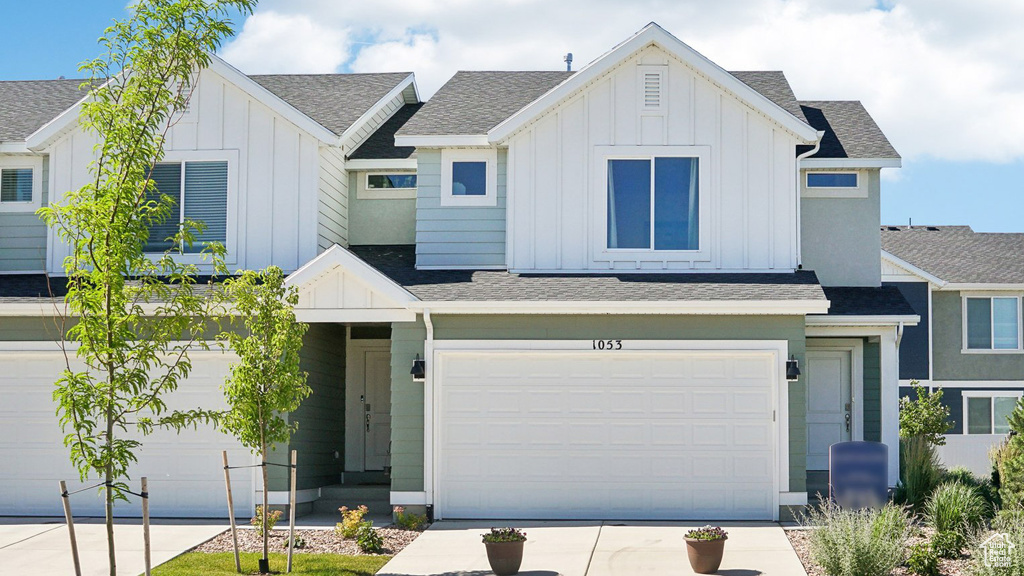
(317, 542)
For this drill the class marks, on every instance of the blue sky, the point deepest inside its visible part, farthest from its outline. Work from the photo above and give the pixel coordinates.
(961, 137)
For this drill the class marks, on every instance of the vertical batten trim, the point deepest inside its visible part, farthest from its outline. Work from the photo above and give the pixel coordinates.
(533, 198)
(558, 189)
(716, 161)
(692, 84)
(772, 190)
(588, 248)
(510, 212)
(745, 151)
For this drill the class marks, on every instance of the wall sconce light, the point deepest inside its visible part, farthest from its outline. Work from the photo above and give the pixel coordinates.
(419, 369)
(792, 369)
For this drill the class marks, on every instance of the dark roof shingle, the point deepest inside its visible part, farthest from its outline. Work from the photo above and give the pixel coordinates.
(958, 254)
(27, 105)
(867, 301)
(335, 101)
(399, 264)
(381, 144)
(850, 132)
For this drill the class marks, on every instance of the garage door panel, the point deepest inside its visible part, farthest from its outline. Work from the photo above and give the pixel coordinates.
(683, 435)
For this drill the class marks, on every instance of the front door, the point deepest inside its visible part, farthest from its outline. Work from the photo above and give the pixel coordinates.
(829, 404)
(368, 405)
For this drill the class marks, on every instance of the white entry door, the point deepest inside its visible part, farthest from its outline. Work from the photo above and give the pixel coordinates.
(368, 410)
(678, 434)
(829, 404)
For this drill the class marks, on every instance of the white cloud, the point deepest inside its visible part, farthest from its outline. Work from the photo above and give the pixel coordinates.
(271, 42)
(941, 77)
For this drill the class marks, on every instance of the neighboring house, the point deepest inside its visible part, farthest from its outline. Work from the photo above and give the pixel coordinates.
(542, 294)
(967, 287)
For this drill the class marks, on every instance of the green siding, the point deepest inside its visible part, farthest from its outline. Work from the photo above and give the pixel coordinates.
(23, 242)
(407, 341)
(31, 329)
(872, 392)
(950, 363)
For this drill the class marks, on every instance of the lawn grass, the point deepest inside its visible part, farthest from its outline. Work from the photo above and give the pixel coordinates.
(223, 564)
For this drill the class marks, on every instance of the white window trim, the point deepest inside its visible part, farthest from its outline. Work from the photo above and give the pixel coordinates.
(990, 394)
(364, 192)
(34, 163)
(489, 156)
(602, 154)
(858, 191)
(231, 233)
(963, 324)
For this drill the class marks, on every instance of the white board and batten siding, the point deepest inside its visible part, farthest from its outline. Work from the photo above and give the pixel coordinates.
(274, 167)
(457, 236)
(556, 187)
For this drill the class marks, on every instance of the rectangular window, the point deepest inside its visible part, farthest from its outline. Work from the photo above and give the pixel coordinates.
(653, 204)
(16, 185)
(993, 323)
(989, 413)
(832, 180)
(390, 181)
(200, 194)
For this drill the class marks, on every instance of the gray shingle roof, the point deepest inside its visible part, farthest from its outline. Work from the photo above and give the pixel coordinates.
(474, 102)
(381, 144)
(335, 101)
(850, 132)
(399, 264)
(958, 254)
(27, 105)
(867, 301)
(773, 85)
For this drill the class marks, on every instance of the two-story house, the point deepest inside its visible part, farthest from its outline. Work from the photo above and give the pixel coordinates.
(647, 289)
(966, 286)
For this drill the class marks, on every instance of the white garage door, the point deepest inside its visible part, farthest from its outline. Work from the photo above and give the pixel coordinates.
(185, 471)
(607, 435)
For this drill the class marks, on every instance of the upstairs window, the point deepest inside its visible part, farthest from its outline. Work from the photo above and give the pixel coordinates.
(469, 178)
(832, 180)
(200, 193)
(390, 181)
(16, 185)
(653, 203)
(993, 323)
(988, 412)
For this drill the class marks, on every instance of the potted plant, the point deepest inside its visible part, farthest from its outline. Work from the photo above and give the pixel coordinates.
(704, 548)
(505, 550)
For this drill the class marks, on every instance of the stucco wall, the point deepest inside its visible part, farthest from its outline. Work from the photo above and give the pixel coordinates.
(383, 221)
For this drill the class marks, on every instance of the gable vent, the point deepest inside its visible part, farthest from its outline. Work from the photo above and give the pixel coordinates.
(652, 90)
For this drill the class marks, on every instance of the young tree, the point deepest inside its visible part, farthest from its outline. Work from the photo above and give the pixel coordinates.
(267, 380)
(925, 416)
(133, 317)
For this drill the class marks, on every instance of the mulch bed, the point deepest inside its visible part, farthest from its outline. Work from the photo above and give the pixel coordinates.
(317, 542)
(800, 539)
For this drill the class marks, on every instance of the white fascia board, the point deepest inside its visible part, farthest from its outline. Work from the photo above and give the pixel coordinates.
(347, 138)
(695, 307)
(381, 164)
(850, 163)
(15, 148)
(901, 263)
(65, 121)
(271, 100)
(443, 141)
(336, 256)
(346, 315)
(982, 287)
(911, 320)
(652, 34)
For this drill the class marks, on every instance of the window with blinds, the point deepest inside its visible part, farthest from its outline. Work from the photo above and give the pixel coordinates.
(16, 185)
(200, 194)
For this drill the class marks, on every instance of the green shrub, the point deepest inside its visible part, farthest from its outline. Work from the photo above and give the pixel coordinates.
(866, 542)
(923, 561)
(956, 508)
(368, 540)
(984, 486)
(1009, 460)
(1012, 525)
(408, 520)
(920, 472)
(924, 416)
(1005, 520)
(351, 521)
(948, 544)
(272, 517)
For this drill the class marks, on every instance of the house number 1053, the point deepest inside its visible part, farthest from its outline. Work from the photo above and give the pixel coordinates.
(607, 344)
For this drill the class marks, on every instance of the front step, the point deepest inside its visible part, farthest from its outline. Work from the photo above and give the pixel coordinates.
(376, 498)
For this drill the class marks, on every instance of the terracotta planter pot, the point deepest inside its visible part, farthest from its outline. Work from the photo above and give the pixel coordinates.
(705, 555)
(505, 557)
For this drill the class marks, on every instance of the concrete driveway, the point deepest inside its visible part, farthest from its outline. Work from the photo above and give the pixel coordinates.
(596, 549)
(44, 549)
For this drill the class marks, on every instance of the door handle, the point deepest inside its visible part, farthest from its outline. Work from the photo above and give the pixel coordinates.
(368, 416)
(847, 421)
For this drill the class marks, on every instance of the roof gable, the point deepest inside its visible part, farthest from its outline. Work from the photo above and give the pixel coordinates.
(656, 35)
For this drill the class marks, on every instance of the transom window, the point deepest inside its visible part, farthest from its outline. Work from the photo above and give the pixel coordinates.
(390, 181)
(15, 185)
(993, 323)
(200, 193)
(989, 412)
(653, 203)
(832, 180)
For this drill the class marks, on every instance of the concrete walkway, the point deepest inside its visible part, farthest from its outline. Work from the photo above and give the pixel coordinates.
(44, 549)
(596, 549)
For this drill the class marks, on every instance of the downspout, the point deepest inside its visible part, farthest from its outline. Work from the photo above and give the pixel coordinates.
(428, 415)
(799, 222)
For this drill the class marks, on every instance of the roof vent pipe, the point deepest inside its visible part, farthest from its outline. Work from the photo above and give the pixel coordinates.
(568, 62)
